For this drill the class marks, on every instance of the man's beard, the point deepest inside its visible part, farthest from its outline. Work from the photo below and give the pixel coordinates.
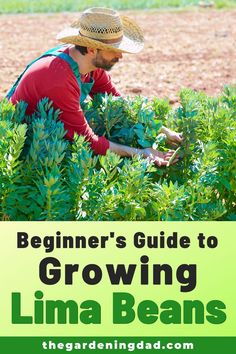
(100, 62)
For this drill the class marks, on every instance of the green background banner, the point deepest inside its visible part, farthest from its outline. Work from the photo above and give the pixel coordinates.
(215, 280)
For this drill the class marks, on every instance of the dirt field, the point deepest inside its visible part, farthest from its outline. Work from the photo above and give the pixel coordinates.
(185, 49)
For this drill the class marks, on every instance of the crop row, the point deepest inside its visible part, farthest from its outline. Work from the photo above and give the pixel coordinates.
(45, 177)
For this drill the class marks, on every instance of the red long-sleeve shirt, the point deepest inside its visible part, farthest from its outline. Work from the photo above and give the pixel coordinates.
(53, 77)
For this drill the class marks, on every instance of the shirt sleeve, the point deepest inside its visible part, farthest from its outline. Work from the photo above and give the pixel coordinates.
(103, 84)
(65, 96)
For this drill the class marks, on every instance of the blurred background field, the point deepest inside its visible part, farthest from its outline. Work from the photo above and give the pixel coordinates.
(188, 43)
(27, 6)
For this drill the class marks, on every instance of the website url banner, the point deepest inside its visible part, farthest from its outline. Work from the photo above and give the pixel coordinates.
(86, 345)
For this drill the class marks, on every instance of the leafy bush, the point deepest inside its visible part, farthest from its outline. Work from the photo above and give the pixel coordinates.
(44, 177)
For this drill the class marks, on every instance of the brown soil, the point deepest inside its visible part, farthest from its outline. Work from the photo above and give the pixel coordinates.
(183, 49)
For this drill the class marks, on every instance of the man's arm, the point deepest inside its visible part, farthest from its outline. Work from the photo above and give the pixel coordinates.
(103, 84)
(157, 157)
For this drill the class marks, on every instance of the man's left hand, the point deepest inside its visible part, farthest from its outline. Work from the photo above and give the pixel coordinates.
(173, 138)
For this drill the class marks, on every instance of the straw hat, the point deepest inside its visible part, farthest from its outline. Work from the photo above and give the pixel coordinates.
(104, 29)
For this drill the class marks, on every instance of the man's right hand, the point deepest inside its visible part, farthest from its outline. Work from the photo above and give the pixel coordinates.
(158, 157)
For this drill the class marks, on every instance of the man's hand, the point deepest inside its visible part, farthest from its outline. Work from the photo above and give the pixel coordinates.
(173, 138)
(158, 157)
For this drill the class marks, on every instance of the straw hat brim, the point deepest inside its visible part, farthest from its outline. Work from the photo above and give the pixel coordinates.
(132, 40)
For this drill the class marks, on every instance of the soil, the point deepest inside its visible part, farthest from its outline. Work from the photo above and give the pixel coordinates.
(194, 49)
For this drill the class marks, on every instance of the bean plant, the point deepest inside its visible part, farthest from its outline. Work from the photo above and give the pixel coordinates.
(45, 177)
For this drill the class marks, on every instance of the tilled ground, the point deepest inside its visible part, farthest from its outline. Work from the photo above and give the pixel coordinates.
(194, 49)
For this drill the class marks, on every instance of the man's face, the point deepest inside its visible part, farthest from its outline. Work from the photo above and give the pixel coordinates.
(106, 59)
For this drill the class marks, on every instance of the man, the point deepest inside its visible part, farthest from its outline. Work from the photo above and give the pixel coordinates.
(69, 73)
